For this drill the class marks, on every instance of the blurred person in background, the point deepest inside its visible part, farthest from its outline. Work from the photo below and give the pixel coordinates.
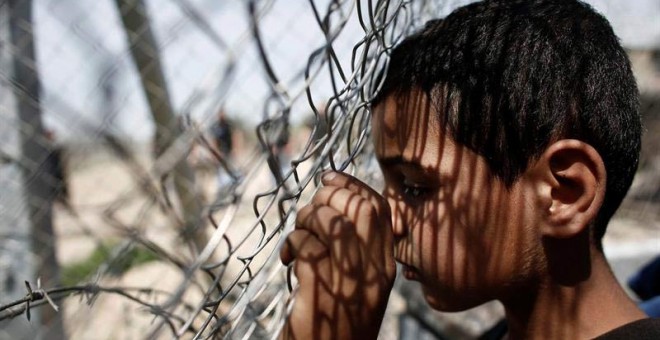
(222, 134)
(55, 166)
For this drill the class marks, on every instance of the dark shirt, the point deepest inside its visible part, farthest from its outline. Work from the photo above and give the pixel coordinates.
(646, 283)
(641, 329)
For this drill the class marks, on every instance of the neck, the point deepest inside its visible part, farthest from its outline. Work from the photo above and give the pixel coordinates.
(572, 309)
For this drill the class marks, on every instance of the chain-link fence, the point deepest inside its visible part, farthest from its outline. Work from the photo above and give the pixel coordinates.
(154, 154)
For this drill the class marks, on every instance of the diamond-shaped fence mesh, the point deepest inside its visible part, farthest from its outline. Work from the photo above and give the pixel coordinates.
(154, 153)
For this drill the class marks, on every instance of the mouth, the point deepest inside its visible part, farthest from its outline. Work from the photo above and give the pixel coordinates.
(410, 272)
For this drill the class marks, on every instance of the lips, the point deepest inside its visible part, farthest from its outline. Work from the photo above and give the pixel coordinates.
(410, 273)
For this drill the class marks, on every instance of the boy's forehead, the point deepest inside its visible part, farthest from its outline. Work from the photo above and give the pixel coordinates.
(401, 113)
(406, 127)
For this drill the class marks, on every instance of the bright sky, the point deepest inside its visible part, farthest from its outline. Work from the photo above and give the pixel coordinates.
(81, 46)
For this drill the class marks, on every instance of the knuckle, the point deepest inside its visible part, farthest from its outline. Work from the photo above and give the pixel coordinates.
(289, 249)
(341, 224)
(321, 195)
(302, 218)
(325, 191)
(305, 210)
(298, 272)
(285, 255)
(369, 212)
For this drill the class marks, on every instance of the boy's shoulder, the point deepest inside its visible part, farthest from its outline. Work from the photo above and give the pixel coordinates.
(648, 328)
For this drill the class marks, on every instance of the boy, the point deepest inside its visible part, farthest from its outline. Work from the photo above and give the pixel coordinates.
(508, 133)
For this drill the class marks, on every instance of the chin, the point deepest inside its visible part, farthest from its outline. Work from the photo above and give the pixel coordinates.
(451, 301)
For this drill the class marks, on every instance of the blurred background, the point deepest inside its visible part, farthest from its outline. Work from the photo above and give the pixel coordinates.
(153, 153)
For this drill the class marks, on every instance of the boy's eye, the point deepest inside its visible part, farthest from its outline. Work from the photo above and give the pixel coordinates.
(413, 191)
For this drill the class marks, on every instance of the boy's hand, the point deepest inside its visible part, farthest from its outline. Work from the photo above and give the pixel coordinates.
(343, 252)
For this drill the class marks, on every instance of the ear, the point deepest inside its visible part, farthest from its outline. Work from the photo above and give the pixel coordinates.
(571, 180)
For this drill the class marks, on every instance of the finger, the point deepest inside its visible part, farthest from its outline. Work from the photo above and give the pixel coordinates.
(339, 179)
(329, 226)
(349, 195)
(336, 232)
(324, 222)
(374, 234)
(339, 267)
(373, 223)
(311, 262)
(354, 206)
(303, 245)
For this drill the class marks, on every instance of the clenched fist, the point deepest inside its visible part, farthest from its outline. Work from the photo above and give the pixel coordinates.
(342, 254)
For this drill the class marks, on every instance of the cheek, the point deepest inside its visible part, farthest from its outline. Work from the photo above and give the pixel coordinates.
(499, 241)
(466, 243)
(442, 244)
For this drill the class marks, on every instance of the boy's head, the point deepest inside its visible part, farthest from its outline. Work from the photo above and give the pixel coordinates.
(510, 77)
(468, 109)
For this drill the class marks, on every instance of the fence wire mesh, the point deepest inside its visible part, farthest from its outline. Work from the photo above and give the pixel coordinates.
(154, 154)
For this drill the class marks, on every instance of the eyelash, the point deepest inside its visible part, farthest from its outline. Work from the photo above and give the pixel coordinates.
(412, 191)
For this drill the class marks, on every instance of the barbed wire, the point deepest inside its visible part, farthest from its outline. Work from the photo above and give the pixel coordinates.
(212, 217)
